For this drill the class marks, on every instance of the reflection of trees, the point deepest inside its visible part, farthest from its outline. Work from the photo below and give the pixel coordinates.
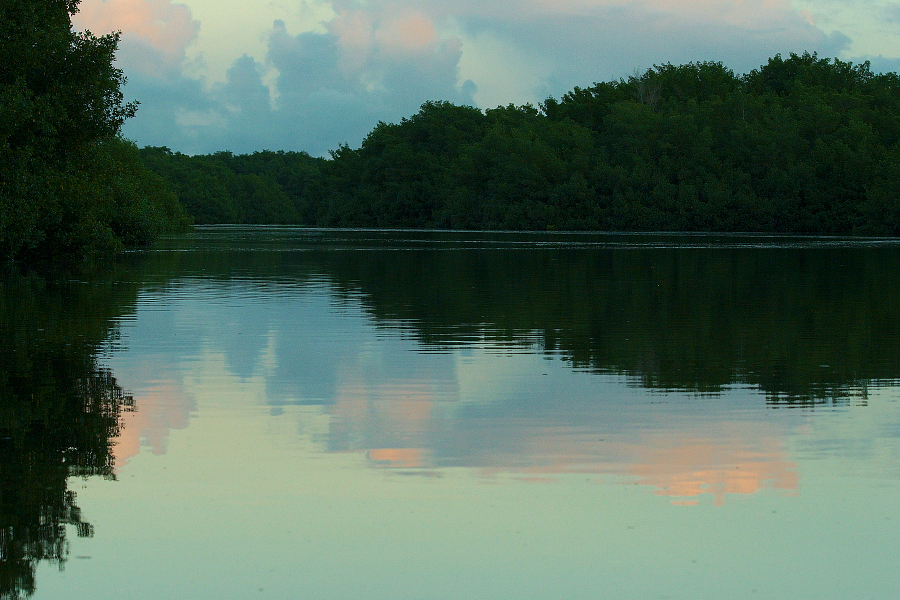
(58, 411)
(807, 325)
(803, 324)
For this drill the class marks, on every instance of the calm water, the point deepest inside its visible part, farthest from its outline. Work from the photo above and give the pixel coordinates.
(283, 413)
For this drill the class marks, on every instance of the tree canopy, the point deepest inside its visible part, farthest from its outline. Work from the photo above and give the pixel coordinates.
(802, 144)
(69, 186)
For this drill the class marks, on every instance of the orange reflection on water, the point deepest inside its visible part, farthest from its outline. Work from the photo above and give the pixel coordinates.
(411, 424)
(737, 465)
(679, 463)
(403, 426)
(407, 458)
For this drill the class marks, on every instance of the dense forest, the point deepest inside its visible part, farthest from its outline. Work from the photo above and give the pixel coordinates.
(802, 144)
(70, 187)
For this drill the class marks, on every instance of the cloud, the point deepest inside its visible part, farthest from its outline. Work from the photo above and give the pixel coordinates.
(891, 12)
(361, 70)
(881, 64)
(307, 84)
(155, 33)
(330, 88)
(408, 34)
(607, 40)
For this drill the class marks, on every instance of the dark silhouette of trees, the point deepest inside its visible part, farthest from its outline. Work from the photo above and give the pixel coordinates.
(69, 188)
(263, 187)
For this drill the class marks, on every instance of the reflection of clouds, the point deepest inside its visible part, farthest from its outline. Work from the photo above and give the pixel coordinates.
(407, 458)
(496, 409)
(314, 338)
(159, 408)
(739, 464)
(554, 423)
(676, 461)
(161, 345)
(394, 419)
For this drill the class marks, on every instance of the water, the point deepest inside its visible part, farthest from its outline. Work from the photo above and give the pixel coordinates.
(283, 413)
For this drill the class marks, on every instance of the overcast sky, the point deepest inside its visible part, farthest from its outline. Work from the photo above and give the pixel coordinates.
(247, 75)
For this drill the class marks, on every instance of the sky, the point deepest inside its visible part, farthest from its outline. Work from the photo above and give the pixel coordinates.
(311, 75)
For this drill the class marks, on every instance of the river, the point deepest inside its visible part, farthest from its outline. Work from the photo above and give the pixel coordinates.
(282, 413)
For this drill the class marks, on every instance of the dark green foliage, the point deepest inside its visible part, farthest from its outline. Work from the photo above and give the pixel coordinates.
(802, 144)
(135, 203)
(69, 188)
(262, 188)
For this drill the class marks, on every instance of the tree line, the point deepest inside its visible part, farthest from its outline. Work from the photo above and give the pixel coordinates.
(802, 144)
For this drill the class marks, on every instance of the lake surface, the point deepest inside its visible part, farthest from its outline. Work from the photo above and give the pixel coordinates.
(286, 413)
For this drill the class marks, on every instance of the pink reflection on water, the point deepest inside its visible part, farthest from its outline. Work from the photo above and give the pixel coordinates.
(406, 427)
(159, 408)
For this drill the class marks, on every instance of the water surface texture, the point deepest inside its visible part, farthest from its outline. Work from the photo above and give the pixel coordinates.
(285, 413)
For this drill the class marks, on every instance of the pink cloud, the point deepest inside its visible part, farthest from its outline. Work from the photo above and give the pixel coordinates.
(408, 34)
(398, 28)
(355, 33)
(158, 26)
(368, 36)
